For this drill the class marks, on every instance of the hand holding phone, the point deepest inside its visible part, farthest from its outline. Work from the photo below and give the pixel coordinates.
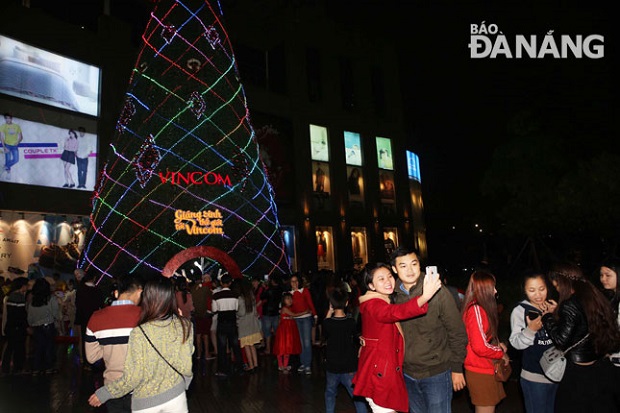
(431, 272)
(533, 315)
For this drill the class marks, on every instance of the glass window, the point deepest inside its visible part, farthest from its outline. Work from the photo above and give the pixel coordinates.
(355, 186)
(359, 247)
(390, 241)
(325, 248)
(288, 236)
(387, 193)
(320, 177)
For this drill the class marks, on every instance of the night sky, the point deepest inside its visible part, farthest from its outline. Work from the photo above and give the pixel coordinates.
(460, 107)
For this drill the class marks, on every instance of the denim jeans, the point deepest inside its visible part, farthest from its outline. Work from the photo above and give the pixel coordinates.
(11, 157)
(82, 168)
(430, 395)
(538, 397)
(331, 390)
(269, 323)
(304, 325)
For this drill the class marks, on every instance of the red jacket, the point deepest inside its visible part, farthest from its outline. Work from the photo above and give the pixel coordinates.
(480, 351)
(302, 301)
(380, 368)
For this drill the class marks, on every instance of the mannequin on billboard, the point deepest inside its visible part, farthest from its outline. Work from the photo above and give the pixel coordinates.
(321, 249)
(319, 180)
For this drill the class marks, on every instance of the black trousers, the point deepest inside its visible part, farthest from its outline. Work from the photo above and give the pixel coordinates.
(15, 349)
(591, 388)
(227, 335)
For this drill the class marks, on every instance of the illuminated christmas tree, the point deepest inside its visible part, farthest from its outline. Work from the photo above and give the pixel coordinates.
(183, 178)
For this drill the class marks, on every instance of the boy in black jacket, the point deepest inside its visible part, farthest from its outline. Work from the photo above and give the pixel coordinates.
(341, 336)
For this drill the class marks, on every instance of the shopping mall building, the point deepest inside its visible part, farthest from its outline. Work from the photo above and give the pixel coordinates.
(325, 102)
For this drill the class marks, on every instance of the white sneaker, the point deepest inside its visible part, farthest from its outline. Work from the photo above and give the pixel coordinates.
(301, 369)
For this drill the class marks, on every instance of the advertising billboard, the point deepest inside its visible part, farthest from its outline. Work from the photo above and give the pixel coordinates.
(384, 153)
(34, 153)
(353, 148)
(37, 75)
(319, 143)
(413, 166)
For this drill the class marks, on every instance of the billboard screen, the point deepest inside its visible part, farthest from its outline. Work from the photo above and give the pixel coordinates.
(384, 153)
(34, 74)
(36, 153)
(353, 148)
(413, 166)
(319, 143)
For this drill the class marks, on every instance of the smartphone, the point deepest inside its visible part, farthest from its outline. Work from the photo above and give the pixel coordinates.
(431, 271)
(533, 315)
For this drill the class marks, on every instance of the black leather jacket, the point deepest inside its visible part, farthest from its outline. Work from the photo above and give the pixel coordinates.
(570, 327)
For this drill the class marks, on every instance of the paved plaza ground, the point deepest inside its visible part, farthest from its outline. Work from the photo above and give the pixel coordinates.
(267, 390)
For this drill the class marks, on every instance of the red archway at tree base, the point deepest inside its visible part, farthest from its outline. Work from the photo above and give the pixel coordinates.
(202, 251)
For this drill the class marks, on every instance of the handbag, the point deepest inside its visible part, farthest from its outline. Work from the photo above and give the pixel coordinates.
(502, 371)
(553, 361)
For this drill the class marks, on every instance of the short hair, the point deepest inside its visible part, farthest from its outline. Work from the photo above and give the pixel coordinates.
(18, 283)
(7, 114)
(338, 298)
(81, 129)
(129, 283)
(401, 251)
(226, 279)
(89, 276)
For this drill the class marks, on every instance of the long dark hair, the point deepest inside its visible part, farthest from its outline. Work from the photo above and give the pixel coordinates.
(41, 292)
(602, 323)
(245, 290)
(159, 303)
(481, 291)
(613, 263)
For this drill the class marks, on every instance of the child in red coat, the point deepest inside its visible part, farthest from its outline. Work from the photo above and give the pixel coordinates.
(287, 340)
(379, 377)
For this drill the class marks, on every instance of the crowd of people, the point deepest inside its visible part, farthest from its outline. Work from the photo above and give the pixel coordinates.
(396, 338)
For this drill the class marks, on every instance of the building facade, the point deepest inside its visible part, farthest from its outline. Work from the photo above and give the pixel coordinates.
(325, 104)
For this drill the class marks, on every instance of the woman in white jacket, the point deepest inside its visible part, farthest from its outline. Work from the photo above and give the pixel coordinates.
(529, 335)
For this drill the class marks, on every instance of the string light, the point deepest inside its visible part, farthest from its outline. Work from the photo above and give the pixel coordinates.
(185, 112)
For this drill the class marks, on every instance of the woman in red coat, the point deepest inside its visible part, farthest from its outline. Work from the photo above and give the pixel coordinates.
(481, 317)
(379, 377)
(302, 303)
